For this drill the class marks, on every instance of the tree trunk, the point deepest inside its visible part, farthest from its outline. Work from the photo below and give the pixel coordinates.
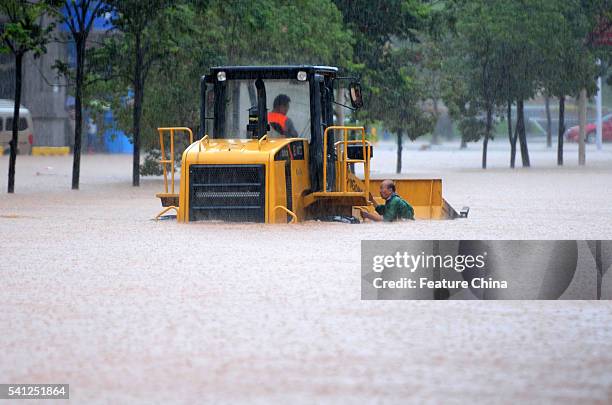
(561, 131)
(548, 122)
(435, 136)
(511, 136)
(485, 142)
(14, 143)
(338, 108)
(522, 136)
(137, 113)
(582, 101)
(520, 122)
(78, 112)
(463, 143)
(400, 134)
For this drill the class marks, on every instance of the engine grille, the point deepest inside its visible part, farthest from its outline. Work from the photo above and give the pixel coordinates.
(227, 193)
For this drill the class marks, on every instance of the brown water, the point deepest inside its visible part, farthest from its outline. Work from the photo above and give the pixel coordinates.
(125, 309)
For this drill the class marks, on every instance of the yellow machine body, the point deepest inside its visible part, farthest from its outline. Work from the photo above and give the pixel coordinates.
(268, 163)
(424, 195)
(281, 191)
(235, 152)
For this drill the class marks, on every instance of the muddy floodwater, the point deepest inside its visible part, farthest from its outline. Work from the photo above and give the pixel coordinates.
(129, 310)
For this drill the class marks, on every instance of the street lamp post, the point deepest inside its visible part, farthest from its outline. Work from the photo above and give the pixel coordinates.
(598, 97)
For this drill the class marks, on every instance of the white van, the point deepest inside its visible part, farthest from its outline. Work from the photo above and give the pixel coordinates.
(26, 128)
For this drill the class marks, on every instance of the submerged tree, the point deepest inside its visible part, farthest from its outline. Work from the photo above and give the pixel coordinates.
(504, 56)
(23, 32)
(568, 61)
(403, 105)
(146, 38)
(384, 32)
(79, 16)
(475, 62)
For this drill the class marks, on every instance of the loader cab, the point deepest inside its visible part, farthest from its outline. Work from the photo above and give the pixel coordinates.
(238, 102)
(235, 98)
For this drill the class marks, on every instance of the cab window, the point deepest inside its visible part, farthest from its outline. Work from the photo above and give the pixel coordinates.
(289, 116)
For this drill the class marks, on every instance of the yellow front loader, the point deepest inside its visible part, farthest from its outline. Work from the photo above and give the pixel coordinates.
(245, 167)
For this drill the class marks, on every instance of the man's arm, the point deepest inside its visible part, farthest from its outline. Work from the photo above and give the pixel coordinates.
(410, 212)
(373, 216)
(291, 131)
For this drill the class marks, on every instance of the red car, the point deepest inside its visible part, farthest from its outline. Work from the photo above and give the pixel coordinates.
(572, 134)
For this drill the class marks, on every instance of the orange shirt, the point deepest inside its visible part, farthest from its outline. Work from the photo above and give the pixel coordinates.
(278, 118)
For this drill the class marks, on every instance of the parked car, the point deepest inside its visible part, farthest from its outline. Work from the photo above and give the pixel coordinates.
(572, 134)
(26, 128)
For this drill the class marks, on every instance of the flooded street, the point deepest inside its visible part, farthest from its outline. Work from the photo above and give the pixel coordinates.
(130, 310)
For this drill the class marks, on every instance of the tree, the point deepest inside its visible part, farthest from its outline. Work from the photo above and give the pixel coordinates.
(147, 39)
(170, 73)
(385, 32)
(548, 121)
(430, 75)
(401, 106)
(23, 32)
(507, 54)
(568, 58)
(478, 58)
(79, 16)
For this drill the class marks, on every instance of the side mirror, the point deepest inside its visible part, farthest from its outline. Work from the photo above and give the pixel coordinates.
(355, 92)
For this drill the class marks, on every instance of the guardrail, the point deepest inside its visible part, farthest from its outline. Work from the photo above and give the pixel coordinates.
(343, 156)
(170, 162)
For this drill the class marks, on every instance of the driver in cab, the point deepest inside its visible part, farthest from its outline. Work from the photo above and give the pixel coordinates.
(277, 118)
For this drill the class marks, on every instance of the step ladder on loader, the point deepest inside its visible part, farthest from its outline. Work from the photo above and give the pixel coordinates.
(169, 198)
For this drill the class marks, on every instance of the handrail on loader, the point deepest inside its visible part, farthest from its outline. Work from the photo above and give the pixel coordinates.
(344, 157)
(204, 138)
(294, 218)
(165, 162)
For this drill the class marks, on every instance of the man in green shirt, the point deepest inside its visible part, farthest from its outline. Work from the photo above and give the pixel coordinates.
(395, 208)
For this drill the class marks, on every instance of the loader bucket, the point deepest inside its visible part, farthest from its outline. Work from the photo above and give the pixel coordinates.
(425, 196)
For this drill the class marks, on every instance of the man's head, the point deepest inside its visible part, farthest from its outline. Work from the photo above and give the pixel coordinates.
(387, 188)
(281, 104)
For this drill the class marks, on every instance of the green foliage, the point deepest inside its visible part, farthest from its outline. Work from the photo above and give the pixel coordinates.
(23, 31)
(568, 63)
(172, 65)
(399, 98)
(386, 56)
(472, 129)
(456, 88)
(277, 32)
(515, 49)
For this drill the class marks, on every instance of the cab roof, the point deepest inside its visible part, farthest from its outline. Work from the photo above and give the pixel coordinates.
(272, 72)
